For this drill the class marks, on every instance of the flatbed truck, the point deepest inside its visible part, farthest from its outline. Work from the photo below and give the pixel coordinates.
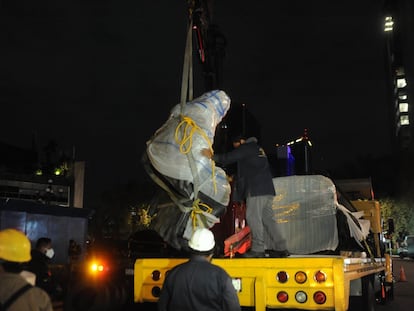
(344, 281)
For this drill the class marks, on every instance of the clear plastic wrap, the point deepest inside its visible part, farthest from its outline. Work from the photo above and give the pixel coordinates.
(305, 210)
(173, 159)
(164, 151)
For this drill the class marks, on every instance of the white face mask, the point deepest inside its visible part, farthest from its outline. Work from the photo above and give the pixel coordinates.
(50, 253)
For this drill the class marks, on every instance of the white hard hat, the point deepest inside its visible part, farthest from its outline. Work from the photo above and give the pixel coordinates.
(202, 240)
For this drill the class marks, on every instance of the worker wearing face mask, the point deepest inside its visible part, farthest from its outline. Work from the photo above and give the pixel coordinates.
(39, 264)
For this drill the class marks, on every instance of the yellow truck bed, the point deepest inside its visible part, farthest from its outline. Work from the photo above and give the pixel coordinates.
(325, 280)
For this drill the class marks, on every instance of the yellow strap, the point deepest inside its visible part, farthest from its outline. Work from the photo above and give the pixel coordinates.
(185, 142)
(369, 250)
(197, 210)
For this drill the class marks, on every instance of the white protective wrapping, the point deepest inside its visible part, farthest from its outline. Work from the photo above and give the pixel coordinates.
(305, 211)
(359, 231)
(164, 153)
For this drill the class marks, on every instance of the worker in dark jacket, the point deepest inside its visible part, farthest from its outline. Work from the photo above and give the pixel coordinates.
(198, 284)
(255, 185)
(39, 264)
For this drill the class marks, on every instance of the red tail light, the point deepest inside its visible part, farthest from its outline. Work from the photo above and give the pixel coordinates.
(282, 276)
(282, 297)
(319, 297)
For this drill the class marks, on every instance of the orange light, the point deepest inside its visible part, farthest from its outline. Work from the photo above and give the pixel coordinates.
(96, 267)
(300, 277)
(320, 276)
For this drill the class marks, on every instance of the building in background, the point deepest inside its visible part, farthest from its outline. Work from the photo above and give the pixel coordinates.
(49, 177)
(399, 51)
(398, 28)
(41, 194)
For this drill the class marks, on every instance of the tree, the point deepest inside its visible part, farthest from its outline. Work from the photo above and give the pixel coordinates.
(400, 210)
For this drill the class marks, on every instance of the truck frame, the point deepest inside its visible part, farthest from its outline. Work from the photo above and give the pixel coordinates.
(302, 282)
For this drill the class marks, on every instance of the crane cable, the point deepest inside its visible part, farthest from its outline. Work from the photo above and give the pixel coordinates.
(187, 93)
(187, 77)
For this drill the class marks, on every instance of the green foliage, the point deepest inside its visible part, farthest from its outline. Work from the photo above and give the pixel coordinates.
(117, 215)
(401, 211)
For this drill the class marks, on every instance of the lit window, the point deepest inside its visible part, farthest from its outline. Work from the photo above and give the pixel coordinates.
(401, 83)
(402, 97)
(404, 120)
(403, 107)
(388, 25)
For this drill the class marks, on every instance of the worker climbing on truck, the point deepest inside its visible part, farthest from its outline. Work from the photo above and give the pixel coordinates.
(255, 185)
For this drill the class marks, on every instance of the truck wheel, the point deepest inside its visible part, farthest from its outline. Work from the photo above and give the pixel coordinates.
(368, 294)
(367, 301)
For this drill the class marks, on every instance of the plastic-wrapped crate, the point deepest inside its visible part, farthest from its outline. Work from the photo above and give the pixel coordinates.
(305, 210)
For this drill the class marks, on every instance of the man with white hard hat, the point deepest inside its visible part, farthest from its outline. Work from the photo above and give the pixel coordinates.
(198, 284)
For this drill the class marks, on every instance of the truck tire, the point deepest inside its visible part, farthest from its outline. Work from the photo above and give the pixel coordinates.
(368, 294)
(367, 301)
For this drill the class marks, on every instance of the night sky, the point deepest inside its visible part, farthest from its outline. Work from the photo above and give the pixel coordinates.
(101, 76)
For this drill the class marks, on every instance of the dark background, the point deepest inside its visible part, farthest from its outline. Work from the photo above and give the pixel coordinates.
(100, 77)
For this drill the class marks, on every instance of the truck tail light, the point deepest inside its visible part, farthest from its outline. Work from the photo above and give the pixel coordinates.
(156, 291)
(156, 275)
(320, 276)
(282, 296)
(300, 277)
(282, 276)
(319, 297)
(301, 297)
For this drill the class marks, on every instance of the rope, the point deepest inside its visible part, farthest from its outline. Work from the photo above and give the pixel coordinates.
(186, 141)
(197, 210)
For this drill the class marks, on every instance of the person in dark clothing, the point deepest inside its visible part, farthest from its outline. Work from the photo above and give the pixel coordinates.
(198, 284)
(254, 184)
(39, 264)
